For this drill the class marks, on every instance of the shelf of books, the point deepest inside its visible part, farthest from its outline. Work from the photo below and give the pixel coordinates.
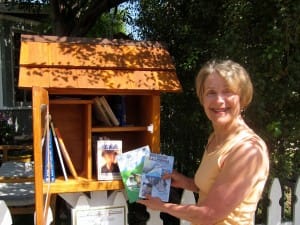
(76, 127)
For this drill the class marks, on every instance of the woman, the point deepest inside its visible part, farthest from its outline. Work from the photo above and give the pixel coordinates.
(235, 164)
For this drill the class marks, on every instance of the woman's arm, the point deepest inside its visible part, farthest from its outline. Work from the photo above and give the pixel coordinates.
(240, 171)
(192, 213)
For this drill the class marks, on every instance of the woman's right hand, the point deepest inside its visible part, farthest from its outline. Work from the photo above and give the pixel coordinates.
(179, 180)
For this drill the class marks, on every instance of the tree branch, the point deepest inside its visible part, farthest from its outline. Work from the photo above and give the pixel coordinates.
(88, 19)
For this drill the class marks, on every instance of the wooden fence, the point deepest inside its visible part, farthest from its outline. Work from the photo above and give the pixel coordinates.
(80, 202)
(274, 214)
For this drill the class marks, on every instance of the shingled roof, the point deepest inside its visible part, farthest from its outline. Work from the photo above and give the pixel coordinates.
(56, 62)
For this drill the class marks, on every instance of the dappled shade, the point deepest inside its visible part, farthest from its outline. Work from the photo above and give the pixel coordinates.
(61, 62)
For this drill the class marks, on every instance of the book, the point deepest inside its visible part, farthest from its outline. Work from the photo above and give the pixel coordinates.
(100, 113)
(131, 167)
(48, 166)
(58, 150)
(152, 183)
(109, 111)
(65, 154)
(118, 105)
(107, 167)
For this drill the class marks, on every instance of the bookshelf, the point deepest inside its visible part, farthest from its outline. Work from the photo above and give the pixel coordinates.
(66, 82)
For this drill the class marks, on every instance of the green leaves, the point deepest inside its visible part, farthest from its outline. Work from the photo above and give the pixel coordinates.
(261, 35)
(275, 128)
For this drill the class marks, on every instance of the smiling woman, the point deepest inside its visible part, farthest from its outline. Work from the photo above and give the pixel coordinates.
(228, 190)
(235, 76)
(220, 101)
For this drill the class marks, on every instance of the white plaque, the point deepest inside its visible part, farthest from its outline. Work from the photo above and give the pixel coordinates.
(99, 216)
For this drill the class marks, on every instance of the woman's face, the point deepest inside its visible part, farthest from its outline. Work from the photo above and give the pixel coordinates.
(109, 158)
(221, 104)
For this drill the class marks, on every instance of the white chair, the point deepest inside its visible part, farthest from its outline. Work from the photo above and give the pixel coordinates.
(5, 216)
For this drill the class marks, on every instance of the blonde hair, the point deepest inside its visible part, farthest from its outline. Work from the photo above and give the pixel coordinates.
(236, 77)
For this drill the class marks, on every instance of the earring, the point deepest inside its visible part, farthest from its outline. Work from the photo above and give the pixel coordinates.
(242, 112)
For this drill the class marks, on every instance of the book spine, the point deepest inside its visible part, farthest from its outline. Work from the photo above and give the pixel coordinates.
(59, 152)
(109, 112)
(66, 154)
(101, 112)
(52, 163)
(121, 114)
(46, 159)
(118, 105)
(49, 169)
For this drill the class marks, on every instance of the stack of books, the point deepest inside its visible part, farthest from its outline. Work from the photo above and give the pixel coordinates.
(53, 145)
(108, 115)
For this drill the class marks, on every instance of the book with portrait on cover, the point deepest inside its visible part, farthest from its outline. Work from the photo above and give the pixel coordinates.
(152, 183)
(107, 167)
(131, 167)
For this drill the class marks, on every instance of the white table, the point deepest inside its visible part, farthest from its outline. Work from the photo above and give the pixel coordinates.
(17, 194)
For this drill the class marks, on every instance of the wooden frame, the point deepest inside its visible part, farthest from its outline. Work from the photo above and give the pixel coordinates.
(81, 67)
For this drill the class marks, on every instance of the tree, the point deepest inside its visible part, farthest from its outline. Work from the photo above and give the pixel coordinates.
(62, 18)
(264, 37)
(69, 18)
(76, 18)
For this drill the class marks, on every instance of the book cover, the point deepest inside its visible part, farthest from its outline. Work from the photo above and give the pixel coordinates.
(109, 111)
(100, 113)
(107, 167)
(61, 161)
(65, 154)
(49, 167)
(155, 166)
(131, 167)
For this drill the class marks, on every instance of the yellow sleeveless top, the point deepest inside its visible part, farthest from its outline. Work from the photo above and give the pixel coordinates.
(210, 168)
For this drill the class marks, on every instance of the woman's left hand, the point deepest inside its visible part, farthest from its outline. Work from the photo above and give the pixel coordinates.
(150, 202)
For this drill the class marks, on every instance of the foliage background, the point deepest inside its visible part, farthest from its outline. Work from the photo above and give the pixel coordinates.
(264, 36)
(261, 35)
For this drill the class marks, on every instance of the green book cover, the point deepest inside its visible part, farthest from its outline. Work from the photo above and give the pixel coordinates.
(131, 165)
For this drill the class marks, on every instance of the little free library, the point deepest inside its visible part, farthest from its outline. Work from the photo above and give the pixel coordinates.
(65, 76)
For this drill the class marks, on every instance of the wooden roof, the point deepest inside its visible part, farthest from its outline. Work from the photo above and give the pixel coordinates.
(83, 63)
